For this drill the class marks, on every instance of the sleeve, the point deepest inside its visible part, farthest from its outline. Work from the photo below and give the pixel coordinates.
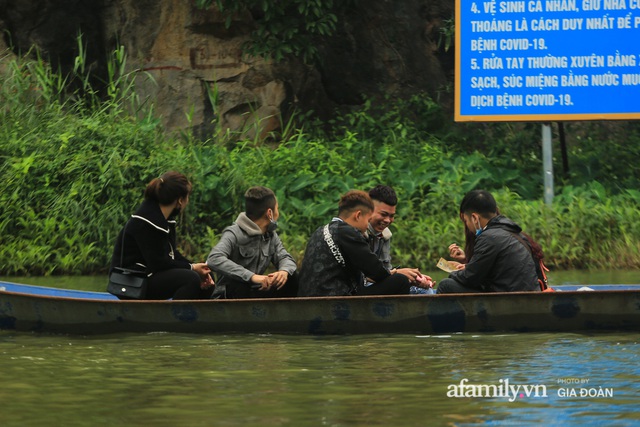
(356, 248)
(153, 247)
(386, 255)
(282, 259)
(477, 269)
(219, 259)
(180, 257)
(177, 254)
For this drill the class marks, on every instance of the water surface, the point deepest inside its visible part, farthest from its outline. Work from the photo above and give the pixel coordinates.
(177, 379)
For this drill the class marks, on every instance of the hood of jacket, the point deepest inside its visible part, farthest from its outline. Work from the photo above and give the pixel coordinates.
(248, 226)
(504, 223)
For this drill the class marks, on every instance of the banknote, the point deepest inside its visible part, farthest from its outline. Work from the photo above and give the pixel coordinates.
(445, 265)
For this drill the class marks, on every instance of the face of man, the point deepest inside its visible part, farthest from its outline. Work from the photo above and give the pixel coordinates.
(362, 219)
(471, 221)
(275, 213)
(382, 217)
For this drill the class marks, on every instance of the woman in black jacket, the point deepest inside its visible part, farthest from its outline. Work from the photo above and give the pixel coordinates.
(148, 242)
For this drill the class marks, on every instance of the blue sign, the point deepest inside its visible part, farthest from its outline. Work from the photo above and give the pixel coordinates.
(547, 60)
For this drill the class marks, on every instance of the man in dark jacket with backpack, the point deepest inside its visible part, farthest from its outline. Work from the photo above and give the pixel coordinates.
(501, 260)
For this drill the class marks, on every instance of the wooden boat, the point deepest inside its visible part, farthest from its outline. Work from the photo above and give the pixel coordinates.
(42, 309)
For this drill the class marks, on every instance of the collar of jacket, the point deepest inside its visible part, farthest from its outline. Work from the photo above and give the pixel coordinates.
(386, 233)
(149, 212)
(248, 226)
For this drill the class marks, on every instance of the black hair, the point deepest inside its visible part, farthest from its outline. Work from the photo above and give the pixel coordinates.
(480, 202)
(384, 194)
(257, 200)
(168, 188)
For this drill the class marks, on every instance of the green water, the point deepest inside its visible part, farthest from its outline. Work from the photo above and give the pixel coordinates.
(249, 380)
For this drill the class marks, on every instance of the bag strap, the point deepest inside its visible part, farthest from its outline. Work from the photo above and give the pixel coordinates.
(544, 268)
(124, 231)
(524, 242)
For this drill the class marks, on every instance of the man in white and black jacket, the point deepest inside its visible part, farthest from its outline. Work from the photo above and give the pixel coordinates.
(338, 258)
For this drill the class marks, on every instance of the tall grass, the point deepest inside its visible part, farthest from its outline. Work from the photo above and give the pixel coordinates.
(75, 162)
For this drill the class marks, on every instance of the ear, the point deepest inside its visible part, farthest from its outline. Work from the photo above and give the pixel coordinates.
(357, 214)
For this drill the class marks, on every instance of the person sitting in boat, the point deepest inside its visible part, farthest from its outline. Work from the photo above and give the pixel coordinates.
(500, 262)
(248, 247)
(462, 256)
(385, 201)
(149, 243)
(338, 258)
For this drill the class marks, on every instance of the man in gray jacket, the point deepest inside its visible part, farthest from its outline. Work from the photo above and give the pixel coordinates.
(501, 261)
(248, 247)
(378, 235)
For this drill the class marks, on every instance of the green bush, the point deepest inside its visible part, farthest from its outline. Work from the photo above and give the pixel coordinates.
(74, 166)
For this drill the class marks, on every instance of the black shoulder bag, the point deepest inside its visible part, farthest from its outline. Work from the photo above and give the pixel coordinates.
(124, 282)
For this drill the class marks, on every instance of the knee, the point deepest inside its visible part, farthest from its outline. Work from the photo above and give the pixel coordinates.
(401, 283)
(193, 278)
(401, 279)
(189, 279)
(446, 286)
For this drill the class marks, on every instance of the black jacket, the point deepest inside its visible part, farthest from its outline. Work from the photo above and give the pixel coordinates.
(322, 274)
(149, 242)
(500, 262)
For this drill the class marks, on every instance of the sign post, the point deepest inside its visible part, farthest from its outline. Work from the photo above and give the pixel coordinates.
(547, 163)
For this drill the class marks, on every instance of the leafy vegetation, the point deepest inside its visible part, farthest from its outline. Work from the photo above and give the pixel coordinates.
(75, 163)
(283, 27)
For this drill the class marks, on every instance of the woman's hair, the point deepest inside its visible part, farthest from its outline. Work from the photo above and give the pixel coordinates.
(354, 199)
(168, 188)
(257, 200)
(469, 242)
(536, 249)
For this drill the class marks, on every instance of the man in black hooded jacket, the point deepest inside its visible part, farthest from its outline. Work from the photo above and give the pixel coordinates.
(501, 262)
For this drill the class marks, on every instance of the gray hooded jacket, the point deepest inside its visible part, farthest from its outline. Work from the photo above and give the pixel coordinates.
(243, 250)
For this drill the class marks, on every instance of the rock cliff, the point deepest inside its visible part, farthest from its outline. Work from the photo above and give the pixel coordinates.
(201, 79)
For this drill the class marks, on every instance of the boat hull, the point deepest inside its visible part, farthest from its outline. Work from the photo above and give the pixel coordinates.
(429, 314)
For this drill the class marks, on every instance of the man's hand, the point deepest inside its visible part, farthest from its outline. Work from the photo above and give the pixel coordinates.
(278, 279)
(425, 282)
(411, 273)
(261, 280)
(456, 252)
(201, 268)
(207, 282)
(458, 265)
